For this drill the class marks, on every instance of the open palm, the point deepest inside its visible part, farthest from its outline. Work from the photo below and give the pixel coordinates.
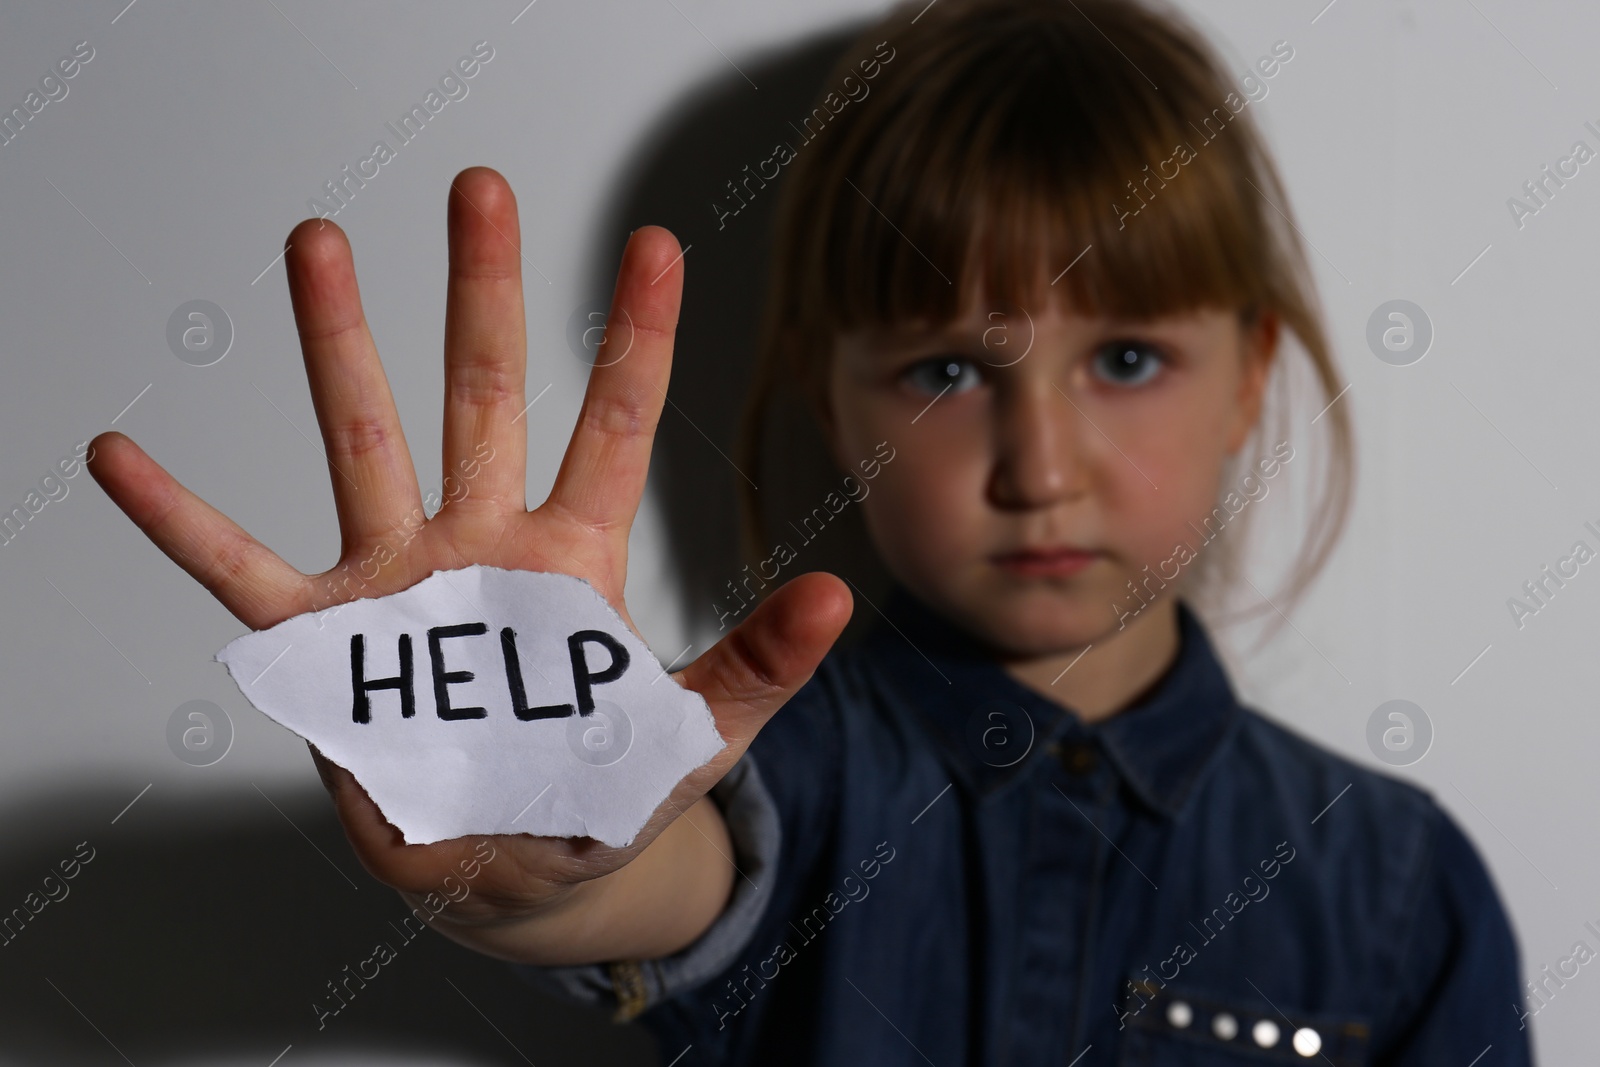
(581, 529)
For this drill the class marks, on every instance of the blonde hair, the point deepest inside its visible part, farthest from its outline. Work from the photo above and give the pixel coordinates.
(1000, 139)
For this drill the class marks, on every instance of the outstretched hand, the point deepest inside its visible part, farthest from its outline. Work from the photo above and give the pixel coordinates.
(581, 529)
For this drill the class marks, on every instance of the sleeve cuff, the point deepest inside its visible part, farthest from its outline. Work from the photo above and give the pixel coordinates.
(631, 986)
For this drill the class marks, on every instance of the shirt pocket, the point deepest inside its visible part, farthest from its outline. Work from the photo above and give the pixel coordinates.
(1182, 1025)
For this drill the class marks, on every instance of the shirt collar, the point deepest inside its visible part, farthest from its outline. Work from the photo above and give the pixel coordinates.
(992, 728)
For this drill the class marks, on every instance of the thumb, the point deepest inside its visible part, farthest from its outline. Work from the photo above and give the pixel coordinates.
(748, 675)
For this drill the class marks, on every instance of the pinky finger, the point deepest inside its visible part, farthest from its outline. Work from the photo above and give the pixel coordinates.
(249, 579)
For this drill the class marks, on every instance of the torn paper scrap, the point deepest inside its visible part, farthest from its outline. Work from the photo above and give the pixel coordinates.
(484, 701)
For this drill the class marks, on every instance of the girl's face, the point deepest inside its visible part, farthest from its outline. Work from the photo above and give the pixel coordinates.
(1042, 460)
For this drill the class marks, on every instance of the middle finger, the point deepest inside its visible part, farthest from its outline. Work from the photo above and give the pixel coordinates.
(485, 440)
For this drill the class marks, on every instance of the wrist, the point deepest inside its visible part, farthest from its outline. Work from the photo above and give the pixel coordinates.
(548, 933)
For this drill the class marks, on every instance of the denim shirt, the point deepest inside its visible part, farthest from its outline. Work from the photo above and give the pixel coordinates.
(939, 865)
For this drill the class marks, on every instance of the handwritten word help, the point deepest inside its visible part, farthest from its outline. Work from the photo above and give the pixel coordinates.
(548, 714)
(583, 679)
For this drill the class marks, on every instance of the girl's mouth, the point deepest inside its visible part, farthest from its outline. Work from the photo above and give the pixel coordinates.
(1045, 562)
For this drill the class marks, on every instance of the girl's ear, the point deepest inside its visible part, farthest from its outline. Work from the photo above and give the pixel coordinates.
(1258, 348)
(822, 408)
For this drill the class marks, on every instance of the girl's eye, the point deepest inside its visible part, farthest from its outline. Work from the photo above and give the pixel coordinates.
(941, 373)
(1128, 362)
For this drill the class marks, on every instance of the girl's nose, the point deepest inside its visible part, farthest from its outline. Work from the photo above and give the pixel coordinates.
(1038, 455)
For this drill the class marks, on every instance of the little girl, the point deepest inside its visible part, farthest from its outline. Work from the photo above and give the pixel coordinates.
(1032, 270)
(1042, 265)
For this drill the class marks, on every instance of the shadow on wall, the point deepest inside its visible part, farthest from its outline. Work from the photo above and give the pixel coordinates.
(680, 178)
(204, 930)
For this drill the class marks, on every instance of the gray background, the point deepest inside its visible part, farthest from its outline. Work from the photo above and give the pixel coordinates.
(188, 147)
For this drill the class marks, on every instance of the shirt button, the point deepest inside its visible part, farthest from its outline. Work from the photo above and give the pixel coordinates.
(1307, 1041)
(1179, 1013)
(1078, 757)
(1265, 1033)
(1225, 1026)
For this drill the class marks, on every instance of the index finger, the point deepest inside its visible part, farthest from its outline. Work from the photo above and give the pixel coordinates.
(603, 472)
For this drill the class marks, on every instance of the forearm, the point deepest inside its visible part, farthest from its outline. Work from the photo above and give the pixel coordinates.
(658, 903)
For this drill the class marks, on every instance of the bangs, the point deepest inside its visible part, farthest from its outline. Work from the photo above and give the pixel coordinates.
(1025, 170)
